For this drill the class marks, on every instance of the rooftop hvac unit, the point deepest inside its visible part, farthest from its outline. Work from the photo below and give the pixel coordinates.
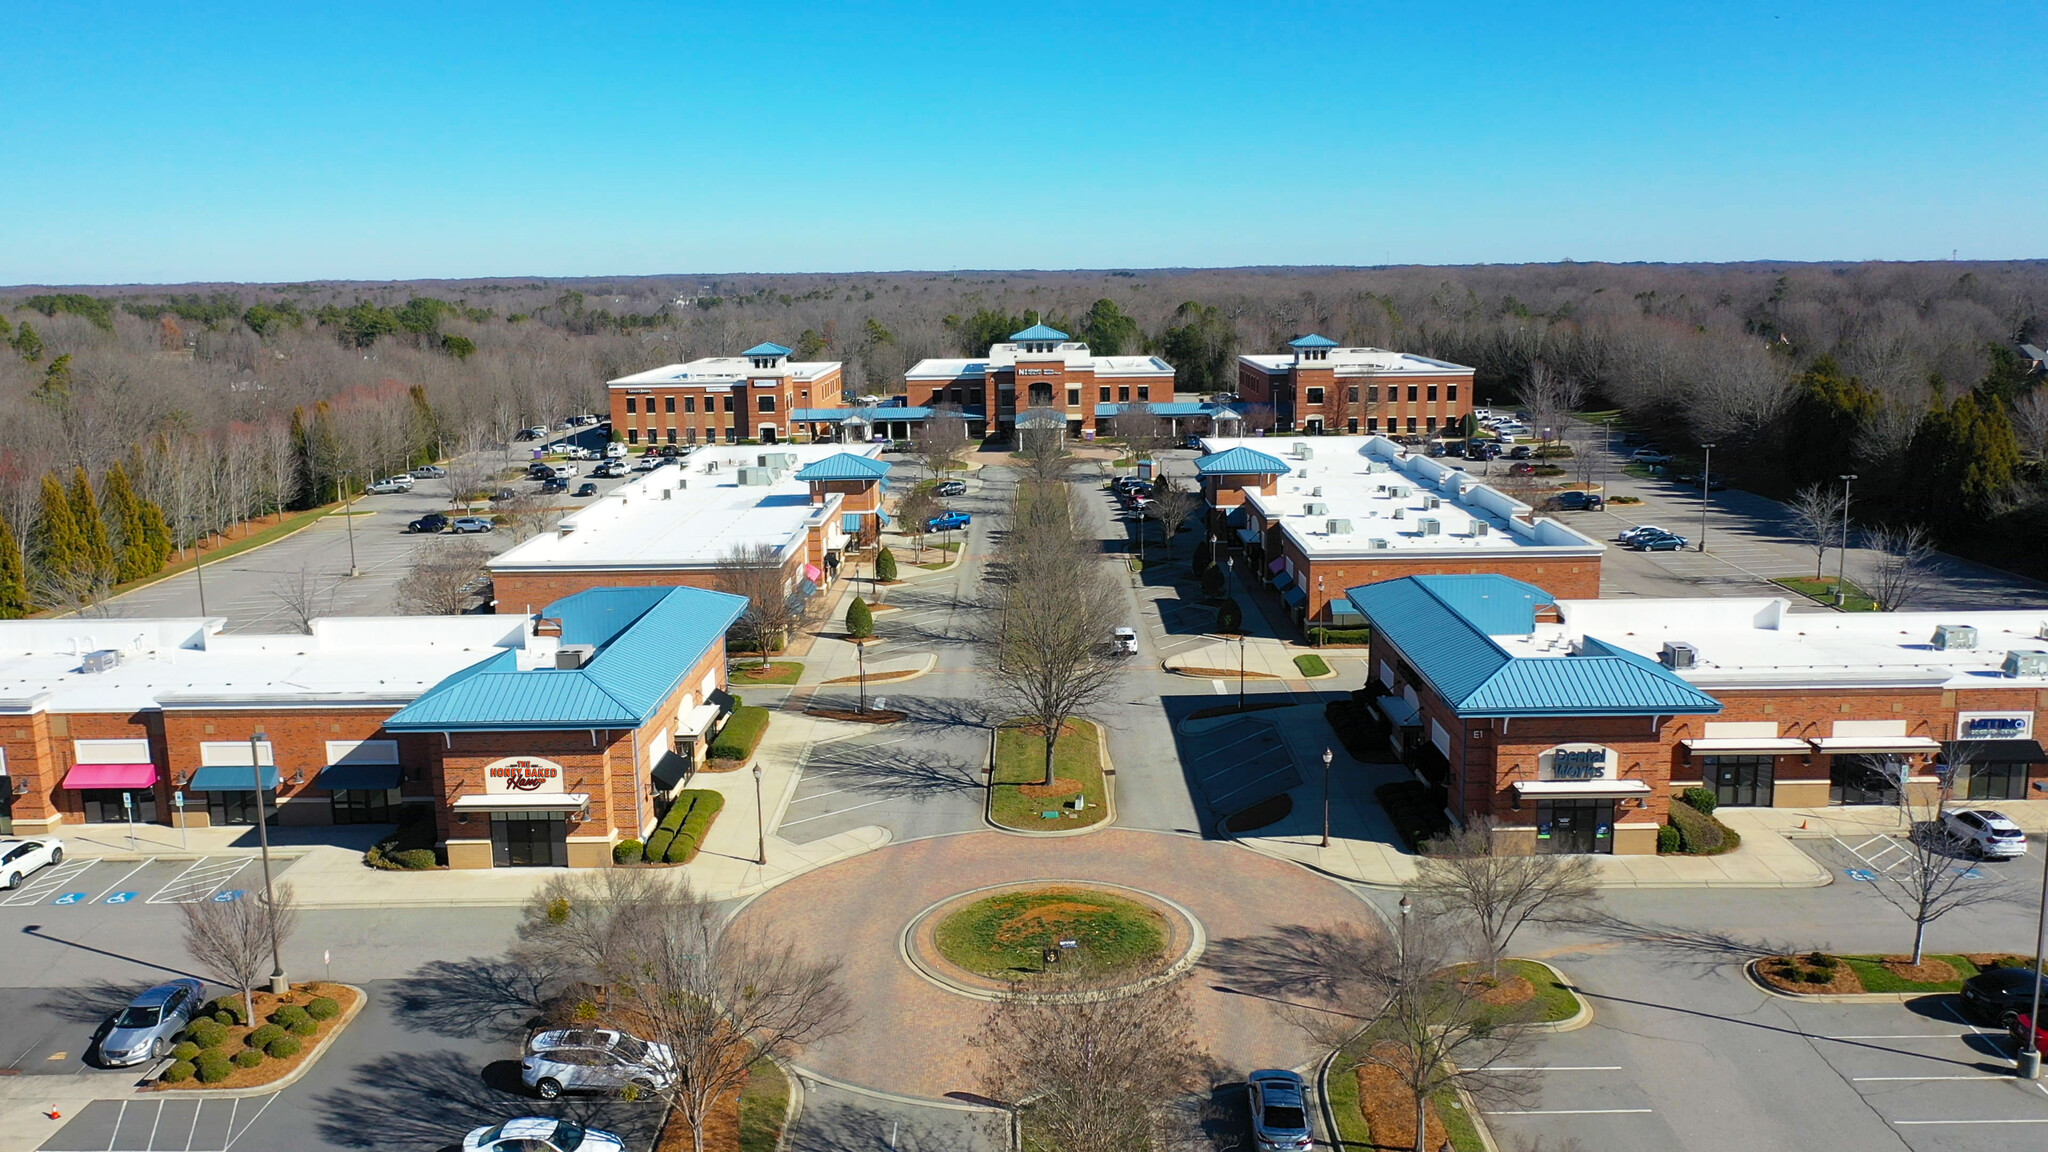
(570, 656)
(1479, 528)
(756, 477)
(1432, 502)
(1377, 542)
(1339, 528)
(1400, 491)
(668, 493)
(101, 661)
(1398, 514)
(1678, 655)
(1378, 466)
(1303, 452)
(2018, 663)
(1315, 509)
(1429, 526)
(1316, 491)
(1954, 636)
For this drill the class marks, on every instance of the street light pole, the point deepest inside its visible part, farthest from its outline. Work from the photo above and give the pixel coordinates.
(278, 984)
(1842, 545)
(760, 818)
(2030, 1055)
(348, 518)
(1327, 757)
(1706, 471)
(1240, 666)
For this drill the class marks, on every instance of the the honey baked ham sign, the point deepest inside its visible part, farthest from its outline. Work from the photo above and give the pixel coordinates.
(522, 774)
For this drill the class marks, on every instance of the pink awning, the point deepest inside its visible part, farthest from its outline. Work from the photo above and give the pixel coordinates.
(813, 573)
(127, 776)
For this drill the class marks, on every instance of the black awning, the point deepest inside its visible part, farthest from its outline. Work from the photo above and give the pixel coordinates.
(669, 771)
(1994, 751)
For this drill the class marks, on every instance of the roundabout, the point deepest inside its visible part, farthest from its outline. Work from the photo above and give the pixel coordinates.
(927, 932)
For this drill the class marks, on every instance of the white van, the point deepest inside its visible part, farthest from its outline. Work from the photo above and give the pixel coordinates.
(614, 450)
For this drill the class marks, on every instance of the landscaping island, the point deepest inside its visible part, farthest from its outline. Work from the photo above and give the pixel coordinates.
(1019, 800)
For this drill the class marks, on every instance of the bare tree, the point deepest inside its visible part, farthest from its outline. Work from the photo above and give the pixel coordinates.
(721, 999)
(1904, 568)
(1172, 504)
(1044, 458)
(469, 475)
(915, 512)
(1551, 397)
(756, 571)
(528, 513)
(231, 939)
(944, 439)
(303, 595)
(1935, 878)
(1143, 431)
(1091, 1072)
(443, 578)
(1816, 519)
(2030, 421)
(1463, 877)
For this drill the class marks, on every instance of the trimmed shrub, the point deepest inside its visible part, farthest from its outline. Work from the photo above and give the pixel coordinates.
(627, 852)
(1822, 961)
(284, 1047)
(248, 1058)
(228, 1010)
(213, 1066)
(1414, 813)
(1701, 834)
(885, 565)
(416, 859)
(401, 849)
(304, 1028)
(1229, 617)
(207, 1033)
(1212, 583)
(264, 1035)
(741, 735)
(1343, 635)
(860, 619)
(1667, 839)
(289, 1016)
(696, 823)
(180, 1072)
(1818, 977)
(323, 1008)
(1700, 798)
(657, 844)
(186, 1051)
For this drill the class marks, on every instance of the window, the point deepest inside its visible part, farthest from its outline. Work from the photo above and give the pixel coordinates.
(1372, 424)
(671, 435)
(632, 405)
(1412, 390)
(1432, 423)
(1315, 395)
(1073, 397)
(689, 403)
(1144, 391)
(1351, 426)
(1372, 393)
(765, 403)
(632, 435)
(1411, 423)
(691, 436)
(668, 404)
(1432, 393)
(1451, 393)
(732, 435)
(1124, 393)
(728, 402)
(1105, 393)
(1351, 394)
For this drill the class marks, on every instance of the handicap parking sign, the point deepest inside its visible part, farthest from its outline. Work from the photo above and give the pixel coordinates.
(227, 897)
(1861, 874)
(70, 898)
(119, 898)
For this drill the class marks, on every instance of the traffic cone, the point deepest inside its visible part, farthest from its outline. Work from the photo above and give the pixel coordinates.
(54, 1114)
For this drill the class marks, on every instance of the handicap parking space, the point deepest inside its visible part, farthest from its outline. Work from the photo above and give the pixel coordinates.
(160, 1125)
(150, 880)
(1239, 765)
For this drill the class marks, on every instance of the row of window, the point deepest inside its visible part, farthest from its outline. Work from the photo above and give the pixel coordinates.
(1122, 394)
(1372, 424)
(765, 403)
(1372, 393)
(732, 436)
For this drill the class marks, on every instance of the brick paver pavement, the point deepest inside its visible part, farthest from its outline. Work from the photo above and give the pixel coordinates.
(909, 1036)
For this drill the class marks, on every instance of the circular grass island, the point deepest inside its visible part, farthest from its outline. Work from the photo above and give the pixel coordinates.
(1102, 938)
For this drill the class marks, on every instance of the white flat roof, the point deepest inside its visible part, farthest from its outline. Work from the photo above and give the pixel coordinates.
(345, 660)
(1758, 643)
(1338, 475)
(715, 371)
(1075, 355)
(1362, 361)
(634, 526)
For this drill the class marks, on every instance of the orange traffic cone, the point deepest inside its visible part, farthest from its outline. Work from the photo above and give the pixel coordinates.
(54, 1114)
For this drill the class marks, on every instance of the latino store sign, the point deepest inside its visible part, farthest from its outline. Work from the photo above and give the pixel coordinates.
(1577, 762)
(1994, 725)
(522, 775)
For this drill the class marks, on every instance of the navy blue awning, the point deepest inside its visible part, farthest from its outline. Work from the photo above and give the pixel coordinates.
(359, 777)
(231, 778)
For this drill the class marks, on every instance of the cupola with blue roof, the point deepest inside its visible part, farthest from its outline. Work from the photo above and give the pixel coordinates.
(1311, 347)
(1038, 338)
(767, 355)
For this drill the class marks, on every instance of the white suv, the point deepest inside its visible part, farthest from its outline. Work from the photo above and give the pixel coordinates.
(1985, 832)
(594, 1060)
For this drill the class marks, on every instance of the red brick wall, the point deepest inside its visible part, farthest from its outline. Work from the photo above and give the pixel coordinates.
(298, 739)
(1566, 579)
(49, 743)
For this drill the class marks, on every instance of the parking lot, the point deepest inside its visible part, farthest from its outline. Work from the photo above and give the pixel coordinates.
(917, 778)
(1239, 764)
(113, 883)
(160, 1125)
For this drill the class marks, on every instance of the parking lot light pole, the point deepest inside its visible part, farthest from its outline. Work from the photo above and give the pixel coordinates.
(1842, 546)
(1706, 472)
(278, 984)
(1327, 757)
(2029, 1059)
(1240, 666)
(760, 818)
(348, 518)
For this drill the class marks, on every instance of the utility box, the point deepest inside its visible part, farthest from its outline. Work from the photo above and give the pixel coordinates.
(1955, 636)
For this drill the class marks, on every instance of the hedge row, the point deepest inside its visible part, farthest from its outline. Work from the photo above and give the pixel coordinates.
(1700, 834)
(740, 736)
(681, 832)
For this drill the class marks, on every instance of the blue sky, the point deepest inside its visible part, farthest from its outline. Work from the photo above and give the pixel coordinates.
(151, 143)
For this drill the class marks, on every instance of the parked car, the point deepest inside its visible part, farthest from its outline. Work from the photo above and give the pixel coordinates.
(1521, 452)
(609, 470)
(429, 472)
(1985, 832)
(1629, 535)
(466, 524)
(1126, 641)
(1521, 468)
(948, 522)
(502, 495)
(552, 485)
(1279, 1109)
(647, 464)
(541, 1134)
(534, 433)
(431, 522)
(586, 489)
(1649, 456)
(950, 488)
(1669, 542)
(2020, 1024)
(148, 1027)
(614, 450)
(20, 858)
(594, 1060)
(2000, 994)
(579, 452)
(539, 471)
(387, 488)
(563, 471)
(1578, 502)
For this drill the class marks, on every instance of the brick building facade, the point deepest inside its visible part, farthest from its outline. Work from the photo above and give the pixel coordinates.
(1317, 387)
(724, 399)
(1038, 369)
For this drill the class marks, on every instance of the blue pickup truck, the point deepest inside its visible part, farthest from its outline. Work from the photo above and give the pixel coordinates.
(948, 522)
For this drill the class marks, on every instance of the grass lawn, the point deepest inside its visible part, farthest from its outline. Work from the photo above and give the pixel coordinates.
(1006, 933)
(1354, 1132)
(1311, 665)
(1458, 1122)
(763, 1103)
(779, 672)
(1876, 978)
(1554, 1001)
(1020, 760)
(1823, 591)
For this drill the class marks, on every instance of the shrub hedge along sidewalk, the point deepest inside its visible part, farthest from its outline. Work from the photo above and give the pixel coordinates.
(679, 836)
(736, 742)
(220, 1050)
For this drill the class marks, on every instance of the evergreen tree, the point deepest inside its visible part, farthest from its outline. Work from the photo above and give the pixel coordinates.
(1971, 458)
(157, 531)
(885, 565)
(134, 551)
(426, 427)
(860, 619)
(100, 564)
(1829, 411)
(14, 601)
(61, 558)
(302, 463)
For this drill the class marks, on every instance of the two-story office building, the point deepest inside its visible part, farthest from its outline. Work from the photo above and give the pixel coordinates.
(1316, 386)
(724, 399)
(1038, 369)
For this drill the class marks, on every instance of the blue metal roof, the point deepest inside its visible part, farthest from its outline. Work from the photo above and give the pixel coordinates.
(1444, 626)
(231, 778)
(845, 466)
(1177, 409)
(647, 639)
(1241, 461)
(872, 415)
(1312, 340)
(766, 349)
(1039, 332)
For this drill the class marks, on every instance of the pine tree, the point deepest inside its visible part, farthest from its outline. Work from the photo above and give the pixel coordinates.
(135, 551)
(100, 564)
(59, 550)
(157, 531)
(14, 601)
(860, 620)
(426, 427)
(1971, 457)
(885, 565)
(1829, 412)
(302, 462)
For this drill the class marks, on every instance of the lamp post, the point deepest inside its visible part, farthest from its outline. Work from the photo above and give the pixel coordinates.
(1706, 471)
(278, 984)
(1240, 666)
(760, 818)
(348, 518)
(860, 655)
(1842, 546)
(1327, 757)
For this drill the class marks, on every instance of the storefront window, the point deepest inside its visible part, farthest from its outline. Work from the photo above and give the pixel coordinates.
(1996, 780)
(1741, 781)
(224, 808)
(1574, 827)
(1866, 779)
(103, 806)
(522, 840)
(366, 806)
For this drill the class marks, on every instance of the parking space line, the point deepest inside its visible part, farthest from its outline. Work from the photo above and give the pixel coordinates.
(46, 882)
(842, 811)
(817, 795)
(1904, 1036)
(1863, 1079)
(1570, 1112)
(1560, 1068)
(2024, 1120)
(153, 1124)
(123, 880)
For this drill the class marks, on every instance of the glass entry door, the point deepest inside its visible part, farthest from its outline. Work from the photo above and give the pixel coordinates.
(1741, 781)
(1574, 827)
(104, 806)
(1864, 779)
(1997, 780)
(520, 840)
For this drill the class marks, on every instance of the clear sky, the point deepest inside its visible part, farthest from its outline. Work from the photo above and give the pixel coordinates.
(158, 143)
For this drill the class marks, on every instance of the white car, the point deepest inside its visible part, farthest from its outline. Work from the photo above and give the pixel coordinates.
(387, 488)
(614, 450)
(647, 464)
(579, 452)
(1126, 641)
(594, 1060)
(1985, 832)
(541, 1134)
(21, 858)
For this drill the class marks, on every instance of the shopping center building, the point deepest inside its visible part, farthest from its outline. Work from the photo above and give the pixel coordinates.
(1316, 386)
(1317, 516)
(724, 399)
(1573, 723)
(534, 739)
(1038, 369)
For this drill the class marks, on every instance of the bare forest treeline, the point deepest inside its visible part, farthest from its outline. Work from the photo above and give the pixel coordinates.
(227, 403)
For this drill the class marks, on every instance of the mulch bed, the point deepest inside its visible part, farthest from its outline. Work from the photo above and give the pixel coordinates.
(1842, 980)
(1060, 786)
(721, 1129)
(1928, 971)
(879, 677)
(871, 716)
(273, 1069)
(1390, 1110)
(1513, 990)
(723, 765)
(1222, 673)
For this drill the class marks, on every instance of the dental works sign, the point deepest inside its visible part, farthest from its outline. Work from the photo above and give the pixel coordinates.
(522, 775)
(1994, 725)
(1577, 762)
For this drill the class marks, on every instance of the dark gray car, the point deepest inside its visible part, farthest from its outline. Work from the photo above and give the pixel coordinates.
(148, 1027)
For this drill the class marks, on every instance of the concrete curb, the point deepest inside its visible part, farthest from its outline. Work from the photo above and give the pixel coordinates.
(958, 554)
(1572, 1023)
(988, 804)
(1756, 977)
(931, 663)
(895, 1097)
(792, 1108)
(1198, 943)
(290, 1078)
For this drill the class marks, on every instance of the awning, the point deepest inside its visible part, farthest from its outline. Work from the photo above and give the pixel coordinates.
(1747, 746)
(356, 777)
(232, 778)
(1283, 581)
(1594, 788)
(1279, 565)
(544, 802)
(1248, 535)
(849, 522)
(1340, 609)
(697, 720)
(1849, 745)
(1295, 597)
(1399, 712)
(669, 771)
(813, 573)
(125, 776)
(1995, 751)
